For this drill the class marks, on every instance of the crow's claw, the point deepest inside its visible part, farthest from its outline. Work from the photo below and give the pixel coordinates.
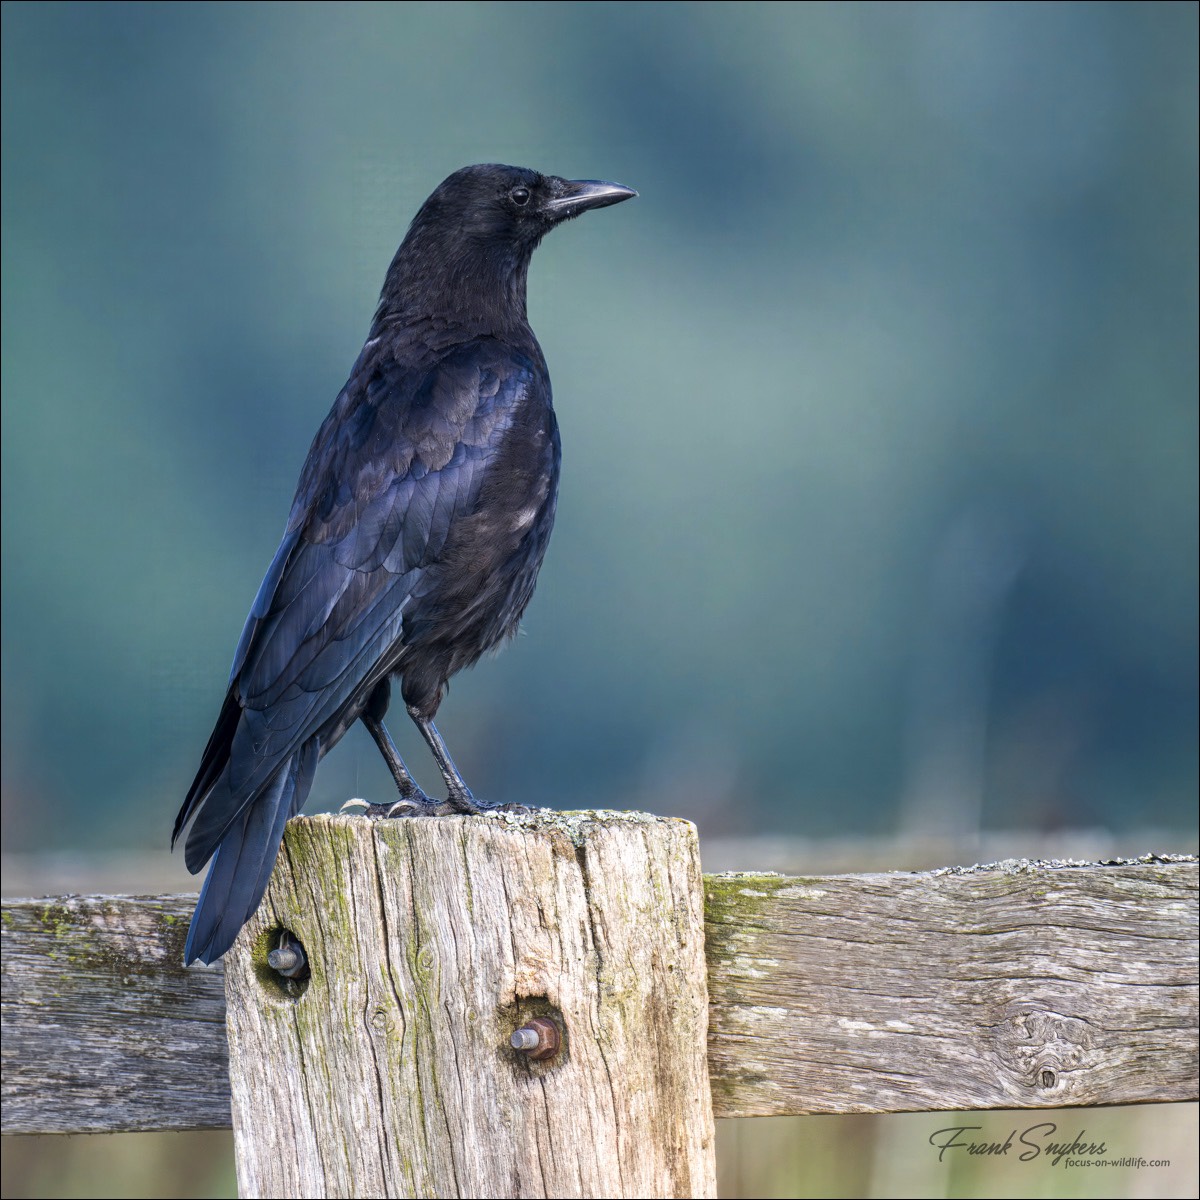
(407, 806)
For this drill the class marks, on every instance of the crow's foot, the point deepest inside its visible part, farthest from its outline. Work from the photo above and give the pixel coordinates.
(489, 806)
(407, 806)
(426, 806)
(464, 802)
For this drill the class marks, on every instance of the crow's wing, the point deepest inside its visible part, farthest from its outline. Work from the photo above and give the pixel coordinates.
(396, 463)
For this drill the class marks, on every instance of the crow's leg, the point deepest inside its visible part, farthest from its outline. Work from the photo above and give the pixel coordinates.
(413, 802)
(459, 798)
(459, 795)
(405, 784)
(372, 718)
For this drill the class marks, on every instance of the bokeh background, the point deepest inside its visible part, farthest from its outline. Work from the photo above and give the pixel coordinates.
(879, 405)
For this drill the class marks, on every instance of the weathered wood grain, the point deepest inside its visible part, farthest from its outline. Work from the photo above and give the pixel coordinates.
(105, 1031)
(430, 942)
(103, 1028)
(1022, 985)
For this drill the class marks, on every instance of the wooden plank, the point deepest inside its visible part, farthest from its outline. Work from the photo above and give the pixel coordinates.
(103, 1029)
(1016, 986)
(989, 977)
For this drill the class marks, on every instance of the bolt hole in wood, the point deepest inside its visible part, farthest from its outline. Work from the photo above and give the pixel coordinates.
(281, 963)
(1049, 1079)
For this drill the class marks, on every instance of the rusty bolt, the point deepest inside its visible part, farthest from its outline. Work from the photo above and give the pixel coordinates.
(539, 1039)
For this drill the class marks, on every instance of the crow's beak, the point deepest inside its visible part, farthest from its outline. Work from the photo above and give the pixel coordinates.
(578, 195)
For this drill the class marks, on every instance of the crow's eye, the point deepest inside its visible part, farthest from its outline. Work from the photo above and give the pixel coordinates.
(520, 196)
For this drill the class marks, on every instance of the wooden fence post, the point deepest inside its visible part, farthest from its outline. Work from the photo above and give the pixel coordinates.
(389, 1072)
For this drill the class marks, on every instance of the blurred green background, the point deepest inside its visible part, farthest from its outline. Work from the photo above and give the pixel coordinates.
(879, 405)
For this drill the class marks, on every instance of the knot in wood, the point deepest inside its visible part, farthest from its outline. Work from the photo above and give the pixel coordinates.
(1040, 1047)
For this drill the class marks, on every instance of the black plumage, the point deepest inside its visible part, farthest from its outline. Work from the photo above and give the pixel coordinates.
(414, 541)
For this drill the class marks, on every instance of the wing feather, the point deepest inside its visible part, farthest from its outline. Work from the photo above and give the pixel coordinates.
(391, 470)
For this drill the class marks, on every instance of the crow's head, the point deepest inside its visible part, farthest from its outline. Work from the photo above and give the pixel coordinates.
(467, 251)
(492, 201)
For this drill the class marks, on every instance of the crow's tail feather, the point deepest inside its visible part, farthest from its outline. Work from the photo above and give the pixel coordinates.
(243, 861)
(212, 764)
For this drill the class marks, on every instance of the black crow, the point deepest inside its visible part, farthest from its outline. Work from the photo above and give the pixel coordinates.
(415, 537)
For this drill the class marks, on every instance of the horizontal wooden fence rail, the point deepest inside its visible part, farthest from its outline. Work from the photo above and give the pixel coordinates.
(1014, 985)
(1019, 985)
